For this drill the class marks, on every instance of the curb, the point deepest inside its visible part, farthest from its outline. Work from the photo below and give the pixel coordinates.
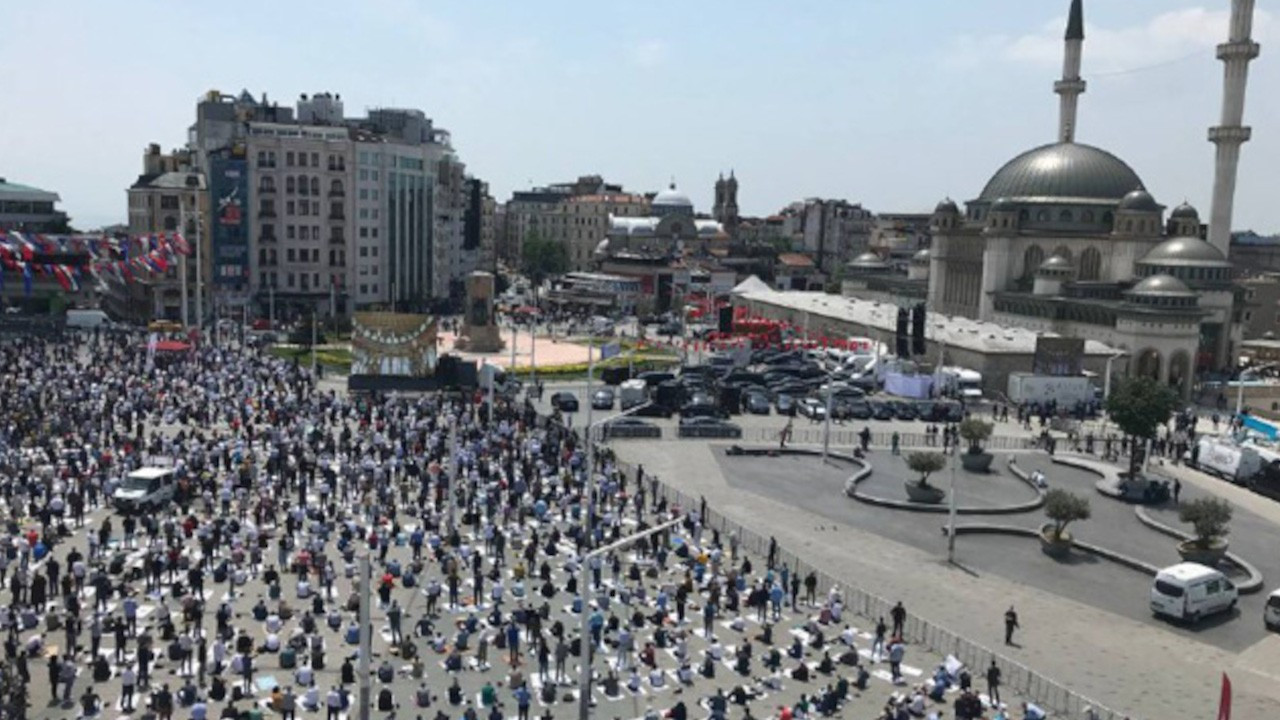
(851, 489)
(1252, 585)
(1118, 558)
(1110, 479)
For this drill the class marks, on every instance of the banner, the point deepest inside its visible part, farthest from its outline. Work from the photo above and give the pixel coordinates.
(384, 343)
(229, 189)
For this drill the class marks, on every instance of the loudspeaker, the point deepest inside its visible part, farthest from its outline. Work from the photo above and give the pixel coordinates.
(900, 335)
(726, 319)
(917, 329)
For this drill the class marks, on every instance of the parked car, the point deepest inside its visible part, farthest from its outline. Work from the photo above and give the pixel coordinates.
(904, 410)
(565, 402)
(631, 427)
(1271, 613)
(881, 410)
(813, 409)
(706, 427)
(785, 404)
(702, 410)
(858, 409)
(758, 404)
(1190, 591)
(602, 399)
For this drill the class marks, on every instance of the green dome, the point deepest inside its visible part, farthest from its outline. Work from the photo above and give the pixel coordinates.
(1063, 171)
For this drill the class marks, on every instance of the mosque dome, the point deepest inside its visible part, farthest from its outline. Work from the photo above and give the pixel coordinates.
(947, 206)
(867, 261)
(1004, 204)
(671, 197)
(922, 257)
(1063, 171)
(1185, 251)
(1184, 212)
(1161, 285)
(1055, 265)
(1139, 200)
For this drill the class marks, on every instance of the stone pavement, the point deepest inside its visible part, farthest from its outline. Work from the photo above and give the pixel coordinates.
(1121, 662)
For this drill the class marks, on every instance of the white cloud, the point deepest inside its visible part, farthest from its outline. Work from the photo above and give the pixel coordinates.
(648, 53)
(1167, 37)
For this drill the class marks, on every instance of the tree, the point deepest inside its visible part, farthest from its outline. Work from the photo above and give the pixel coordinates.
(541, 258)
(1139, 406)
(975, 431)
(1064, 508)
(1209, 517)
(926, 463)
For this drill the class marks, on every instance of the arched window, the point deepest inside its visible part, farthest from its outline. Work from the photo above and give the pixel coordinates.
(1031, 259)
(1091, 264)
(1042, 216)
(1065, 216)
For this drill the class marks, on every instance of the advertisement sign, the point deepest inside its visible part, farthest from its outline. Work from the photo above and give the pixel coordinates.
(1058, 356)
(229, 187)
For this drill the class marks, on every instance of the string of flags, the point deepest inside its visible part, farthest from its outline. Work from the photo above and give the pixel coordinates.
(122, 258)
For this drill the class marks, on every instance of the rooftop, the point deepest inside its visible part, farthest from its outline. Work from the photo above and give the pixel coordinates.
(960, 332)
(14, 191)
(791, 259)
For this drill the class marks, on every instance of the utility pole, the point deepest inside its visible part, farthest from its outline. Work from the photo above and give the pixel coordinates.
(182, 269)
(951, 511)
(199, 269)
(366, 636)
(313, 341)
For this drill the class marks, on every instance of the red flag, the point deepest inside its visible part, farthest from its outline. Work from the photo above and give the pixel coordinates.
(1224, 703)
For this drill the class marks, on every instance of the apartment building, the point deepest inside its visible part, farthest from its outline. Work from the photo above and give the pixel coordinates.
(575, 214)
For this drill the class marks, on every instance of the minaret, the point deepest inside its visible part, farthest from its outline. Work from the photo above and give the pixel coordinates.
(1228, 136)
(717, 210)
(1070, 86)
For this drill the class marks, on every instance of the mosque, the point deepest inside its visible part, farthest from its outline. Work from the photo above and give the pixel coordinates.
(1065, 238)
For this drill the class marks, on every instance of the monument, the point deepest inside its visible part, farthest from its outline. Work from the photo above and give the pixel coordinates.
(479, 331)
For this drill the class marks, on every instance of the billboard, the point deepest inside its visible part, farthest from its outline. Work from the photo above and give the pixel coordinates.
(229, 189)
(1058, 356)
(393, 344)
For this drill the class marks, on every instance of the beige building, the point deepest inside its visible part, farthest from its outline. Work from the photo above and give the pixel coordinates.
(576, 214)
(169, 196)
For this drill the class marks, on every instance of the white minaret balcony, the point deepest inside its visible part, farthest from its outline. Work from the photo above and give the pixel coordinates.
(1230, 134)
(1239, 49)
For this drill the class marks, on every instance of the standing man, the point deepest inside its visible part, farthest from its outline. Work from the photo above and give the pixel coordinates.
(899, 616)
(993, 683)
(1010, 624)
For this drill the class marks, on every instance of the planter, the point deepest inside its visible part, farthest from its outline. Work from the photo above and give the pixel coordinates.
(927, 494)
(1057, 548)
(1192, 551)
(979, 462)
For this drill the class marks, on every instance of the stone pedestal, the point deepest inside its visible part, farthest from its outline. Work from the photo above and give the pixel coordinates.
(479, 330)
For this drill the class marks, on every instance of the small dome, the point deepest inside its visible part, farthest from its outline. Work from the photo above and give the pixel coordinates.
(602, 247)
(867, 261)
(1185, 212)
(947, 206)
(1055, 265)
(1139, 200)
(1004, 204)
(1185, 251)
(922, 257)
(1161, 286)
(671, 197)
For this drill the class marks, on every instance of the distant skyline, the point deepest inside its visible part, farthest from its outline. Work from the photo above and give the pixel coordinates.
(893, 105)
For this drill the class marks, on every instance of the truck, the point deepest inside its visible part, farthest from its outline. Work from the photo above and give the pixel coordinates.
(953, 381)
(633, 393)
(1066, 391)
(146, 489)
(1241, 464)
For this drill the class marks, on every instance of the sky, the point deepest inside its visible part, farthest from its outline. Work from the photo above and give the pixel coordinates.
(895, 104)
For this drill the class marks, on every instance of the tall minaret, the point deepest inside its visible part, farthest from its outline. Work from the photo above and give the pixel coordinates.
(1070, 86)
(1235, 55)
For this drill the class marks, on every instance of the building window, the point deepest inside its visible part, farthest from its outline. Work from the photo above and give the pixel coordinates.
(304, 232)
(290, 255)
(364, 251)
(1065, 216)
(288, 184)
(315, 186)
(288, 161)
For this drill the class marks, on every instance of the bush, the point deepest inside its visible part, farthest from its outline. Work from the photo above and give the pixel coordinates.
(1209, 517)
(926, 463)
(975, 431)
(1064, 508)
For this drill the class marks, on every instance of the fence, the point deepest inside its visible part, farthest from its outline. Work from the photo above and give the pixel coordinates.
(1014, 675)
(848, 437)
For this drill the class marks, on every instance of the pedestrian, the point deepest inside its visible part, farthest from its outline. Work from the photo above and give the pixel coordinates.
(1177, 490)
(899, 617)
(993, 683)
(1010, 624)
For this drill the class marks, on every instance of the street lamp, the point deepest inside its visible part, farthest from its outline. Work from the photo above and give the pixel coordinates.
(584, 632)
(1106, 381)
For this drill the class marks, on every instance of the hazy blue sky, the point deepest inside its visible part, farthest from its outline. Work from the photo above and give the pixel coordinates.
(892, 103)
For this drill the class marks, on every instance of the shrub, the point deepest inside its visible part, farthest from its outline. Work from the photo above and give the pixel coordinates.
(926, 463)
(1209, 517)
(1064, 508)
(975, 431)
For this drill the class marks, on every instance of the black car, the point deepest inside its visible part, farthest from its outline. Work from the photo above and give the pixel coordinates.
(904, 410)
(565, 402)
(881, 410)
(758, 404)
(705, 427)
(785, 403)
(630, 427)
(602, 399)
(702, 410)
(858, 409)
(951, 412)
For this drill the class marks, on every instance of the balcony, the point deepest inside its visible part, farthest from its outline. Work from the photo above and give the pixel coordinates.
(267, 212)
(264, 189)
(337, 193)
(337, 216)
(337, 240)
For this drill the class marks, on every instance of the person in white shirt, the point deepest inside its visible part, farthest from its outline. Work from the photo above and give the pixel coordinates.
(303, 675)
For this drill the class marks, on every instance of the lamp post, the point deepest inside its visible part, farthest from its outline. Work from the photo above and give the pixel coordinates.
(588, 649)
(1106, 389)
(951, 513)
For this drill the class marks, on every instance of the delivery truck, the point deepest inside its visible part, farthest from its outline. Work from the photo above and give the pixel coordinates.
(1066, 391)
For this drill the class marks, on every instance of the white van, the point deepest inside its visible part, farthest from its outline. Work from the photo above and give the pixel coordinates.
(1189, 591)
(145, 489)
(87, 319)
(1271, 611)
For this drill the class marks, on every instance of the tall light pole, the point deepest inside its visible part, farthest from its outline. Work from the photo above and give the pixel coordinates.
(182, 269)
(952, 512)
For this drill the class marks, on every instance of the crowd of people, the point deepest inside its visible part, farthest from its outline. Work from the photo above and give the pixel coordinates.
(490, 545)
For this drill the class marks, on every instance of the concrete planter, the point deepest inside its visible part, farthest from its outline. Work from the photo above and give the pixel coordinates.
(1192, 551)
(926, 494)
(979, 462)
(1057, 548)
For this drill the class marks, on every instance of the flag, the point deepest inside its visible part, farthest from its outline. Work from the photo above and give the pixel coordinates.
(1224, 703)
(26, 278)
(609, 350)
